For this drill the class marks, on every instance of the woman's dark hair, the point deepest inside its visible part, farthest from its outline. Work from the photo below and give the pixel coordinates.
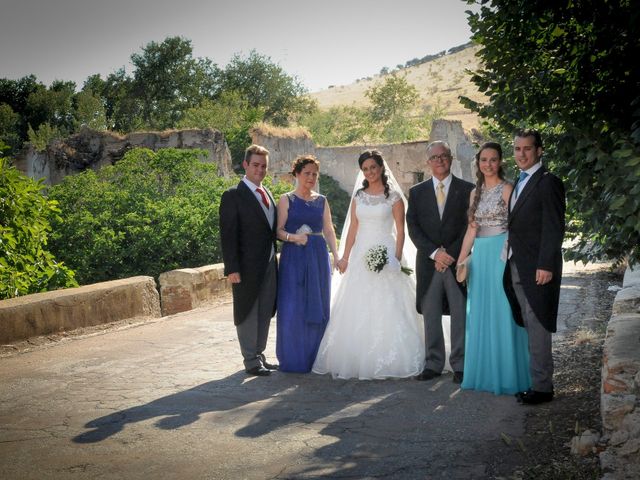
(377, 156)
(480, 176)
(302, 161)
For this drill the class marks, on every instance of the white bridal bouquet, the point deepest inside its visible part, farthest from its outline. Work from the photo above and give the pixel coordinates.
(377, 257)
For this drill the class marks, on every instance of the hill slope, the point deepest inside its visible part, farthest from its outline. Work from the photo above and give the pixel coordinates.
(438, 81)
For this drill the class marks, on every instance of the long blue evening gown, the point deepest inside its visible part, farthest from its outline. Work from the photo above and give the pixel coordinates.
(304, 279)
(496, 351)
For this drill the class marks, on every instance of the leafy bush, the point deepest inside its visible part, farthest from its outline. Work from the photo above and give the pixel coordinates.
(388, 120)
(232, 115)
(26, 266)
(41, 137)
(338, 200)
(339, 126)
(565, 70)
(149, 213)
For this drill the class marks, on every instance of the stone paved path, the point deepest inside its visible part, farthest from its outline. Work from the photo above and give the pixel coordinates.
(168, 399)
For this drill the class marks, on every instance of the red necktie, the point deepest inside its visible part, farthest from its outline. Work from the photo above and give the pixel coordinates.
(265, 200)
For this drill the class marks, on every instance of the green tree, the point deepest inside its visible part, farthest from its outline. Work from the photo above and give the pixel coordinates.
(266, 86)
(15, 93)
(340, 126)
(149, 213)
(392, 98)
(392, 101)
(53, 105)
(123, 108)
(569, 70)
(89, 110)
(26, 265)
(231, 114)
(168, 80)
(41, 137)
(401, 128)
(10, 128)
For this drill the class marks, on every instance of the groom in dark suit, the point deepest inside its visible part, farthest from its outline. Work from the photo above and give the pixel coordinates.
(437, 222)
(534, 269)
(247, 233)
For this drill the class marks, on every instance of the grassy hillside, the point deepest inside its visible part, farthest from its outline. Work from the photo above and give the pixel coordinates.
(439, 82)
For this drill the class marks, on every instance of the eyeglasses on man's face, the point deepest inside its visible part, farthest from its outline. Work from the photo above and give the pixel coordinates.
(443, 157)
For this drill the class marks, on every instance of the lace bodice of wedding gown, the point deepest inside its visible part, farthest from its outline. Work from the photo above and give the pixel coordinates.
(375, 221)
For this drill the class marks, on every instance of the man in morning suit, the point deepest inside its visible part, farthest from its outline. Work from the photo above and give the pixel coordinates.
(534, 268)
(247, 233)
(437, 222)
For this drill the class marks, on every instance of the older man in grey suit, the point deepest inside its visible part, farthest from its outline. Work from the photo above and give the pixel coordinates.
(437, 221)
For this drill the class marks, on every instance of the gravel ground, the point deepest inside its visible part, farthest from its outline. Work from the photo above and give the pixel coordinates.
(544, 451)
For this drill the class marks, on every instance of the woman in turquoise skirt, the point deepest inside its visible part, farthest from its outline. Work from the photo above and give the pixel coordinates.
(496, 348)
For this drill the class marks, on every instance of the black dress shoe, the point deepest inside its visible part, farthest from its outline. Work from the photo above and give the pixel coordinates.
(427, 374)
(270, 366)
(259, 371)
(533, 397)
(457, 377)
(267, 365)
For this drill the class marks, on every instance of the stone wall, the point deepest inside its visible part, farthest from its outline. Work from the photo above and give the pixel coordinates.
(99, 303)
(406, 160)
(93, 149)
(620, 393)
(68, 309)
(188, 288)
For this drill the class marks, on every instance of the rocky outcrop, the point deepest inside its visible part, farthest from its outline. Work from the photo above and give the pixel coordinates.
(620, 393)
(406, 160)
(94, 149)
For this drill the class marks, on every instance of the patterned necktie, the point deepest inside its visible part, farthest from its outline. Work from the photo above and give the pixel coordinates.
(440, 195)
(521, 178)
(265, 199)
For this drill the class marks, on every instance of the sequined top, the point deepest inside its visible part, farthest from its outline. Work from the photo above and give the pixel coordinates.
(491, 215)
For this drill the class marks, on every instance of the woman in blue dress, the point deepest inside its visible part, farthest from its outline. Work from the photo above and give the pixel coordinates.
(304, 275)
(496, 348)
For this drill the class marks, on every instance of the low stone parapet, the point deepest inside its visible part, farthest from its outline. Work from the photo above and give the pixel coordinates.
(620, 394)
(188, 288)
(68, 309)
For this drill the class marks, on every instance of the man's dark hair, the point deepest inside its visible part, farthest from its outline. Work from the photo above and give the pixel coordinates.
(530, 132)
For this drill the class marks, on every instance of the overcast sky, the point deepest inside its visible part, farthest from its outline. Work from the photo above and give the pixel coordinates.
(327, 42)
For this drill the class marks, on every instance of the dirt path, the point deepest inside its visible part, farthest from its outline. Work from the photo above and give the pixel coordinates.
(543, 452)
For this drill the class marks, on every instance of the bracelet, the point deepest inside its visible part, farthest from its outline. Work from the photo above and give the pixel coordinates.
(287, 239)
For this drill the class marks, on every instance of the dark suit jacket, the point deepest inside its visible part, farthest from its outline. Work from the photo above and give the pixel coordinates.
(536, 231)
(246, 239)
(428, 232)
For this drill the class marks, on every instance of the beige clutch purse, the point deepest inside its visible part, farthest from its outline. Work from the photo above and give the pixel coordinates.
(462, 270)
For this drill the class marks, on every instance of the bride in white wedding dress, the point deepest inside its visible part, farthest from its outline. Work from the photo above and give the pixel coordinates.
(374, 331)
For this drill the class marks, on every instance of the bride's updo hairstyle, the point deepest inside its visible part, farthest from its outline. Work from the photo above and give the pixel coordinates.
(480, 176)
(377, 156)
(302, 161)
